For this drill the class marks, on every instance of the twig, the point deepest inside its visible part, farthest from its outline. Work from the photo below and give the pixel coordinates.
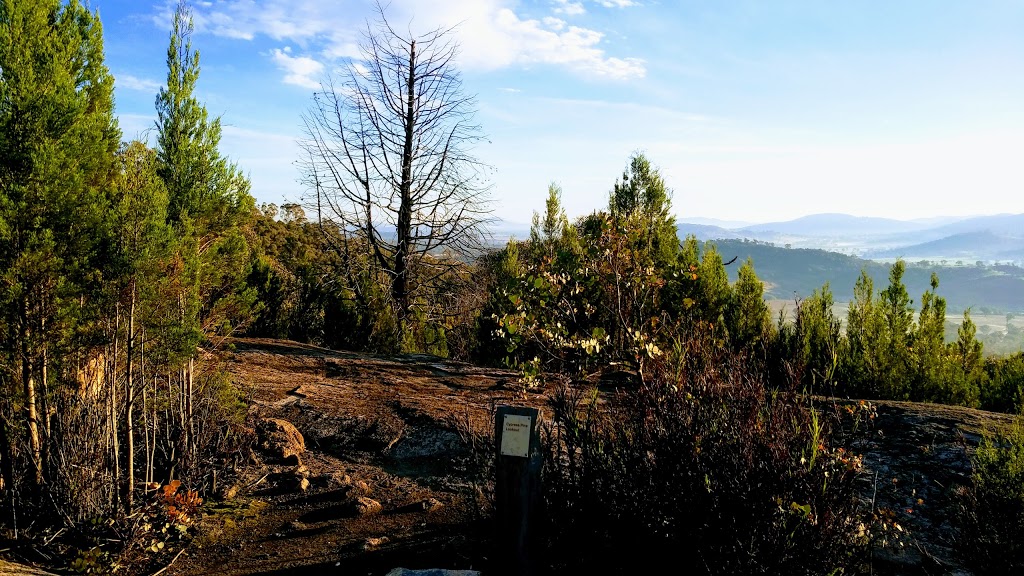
(51, 538)
(164, 569)
(256, 483)
(874, 493)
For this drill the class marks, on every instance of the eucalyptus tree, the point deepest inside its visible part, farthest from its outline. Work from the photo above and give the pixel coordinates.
(388, 161)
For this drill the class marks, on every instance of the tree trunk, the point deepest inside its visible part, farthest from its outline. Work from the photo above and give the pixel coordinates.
(190, 438)
(400, 285)
(30, 403)
(7, 471)
(113, 412)
(129, 406)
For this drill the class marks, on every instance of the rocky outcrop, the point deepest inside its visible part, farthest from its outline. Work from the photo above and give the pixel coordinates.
(281, 440)
(915, 457)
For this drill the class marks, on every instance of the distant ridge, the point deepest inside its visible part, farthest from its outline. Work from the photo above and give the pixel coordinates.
(983, 245)
(832, 225)
(795, 273)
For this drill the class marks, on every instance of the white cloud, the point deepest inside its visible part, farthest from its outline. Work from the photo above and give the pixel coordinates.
(553, 23)
(299, 70)
(617, 3)
(569, 8)
(492, 35)
(135, 83)
(527, 42)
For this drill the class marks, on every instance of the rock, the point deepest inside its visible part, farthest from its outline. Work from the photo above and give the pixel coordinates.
(301, 483)
(432, 572)
(361, 487)
(430, 504)
(229, 492)
(366, 506)
(334, 480)
(280, 439)
(372, 543)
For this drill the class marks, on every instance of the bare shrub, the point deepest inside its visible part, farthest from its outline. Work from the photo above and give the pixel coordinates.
(710, 469)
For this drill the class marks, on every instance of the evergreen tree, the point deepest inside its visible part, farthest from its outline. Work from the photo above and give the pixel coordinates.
(207, 203)
(141, 236)
(642, 194)
(57, 142)
(748, 318)
(897, 319)
(860, 369)
(930, 343)
(207, 197)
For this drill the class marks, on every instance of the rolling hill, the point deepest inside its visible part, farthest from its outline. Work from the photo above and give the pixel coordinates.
(796, 272)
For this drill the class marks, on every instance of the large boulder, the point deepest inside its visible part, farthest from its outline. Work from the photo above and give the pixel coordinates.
(280, 439)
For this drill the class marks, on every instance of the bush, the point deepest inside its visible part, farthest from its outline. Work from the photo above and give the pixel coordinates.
(991, 512)
(710, 471)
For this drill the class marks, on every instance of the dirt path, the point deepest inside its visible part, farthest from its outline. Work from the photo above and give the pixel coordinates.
(386, 429)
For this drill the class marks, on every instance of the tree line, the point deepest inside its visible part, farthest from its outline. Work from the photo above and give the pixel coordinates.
(119, 262)
(617, 288)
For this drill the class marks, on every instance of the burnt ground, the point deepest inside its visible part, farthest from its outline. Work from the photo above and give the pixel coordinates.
(395, 430)
(392, 429)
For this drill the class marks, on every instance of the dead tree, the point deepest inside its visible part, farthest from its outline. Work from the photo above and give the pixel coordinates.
(388, 162)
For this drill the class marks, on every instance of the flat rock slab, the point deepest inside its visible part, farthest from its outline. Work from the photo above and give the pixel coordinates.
(432, 572)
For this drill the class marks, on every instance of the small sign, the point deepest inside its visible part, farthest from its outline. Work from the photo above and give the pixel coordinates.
(515, 436)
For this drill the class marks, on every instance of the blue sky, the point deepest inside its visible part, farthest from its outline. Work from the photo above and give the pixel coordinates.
(753, 110)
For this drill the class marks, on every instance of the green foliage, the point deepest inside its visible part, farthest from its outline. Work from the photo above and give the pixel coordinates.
(57, 142)
(748, 319)
(641, 195)
(929, 343)
(1003, 389)
(991, 513)
(583, 306)
(208, 200)
(811, 344)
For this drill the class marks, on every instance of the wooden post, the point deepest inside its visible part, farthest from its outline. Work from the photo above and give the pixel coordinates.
(517, 488)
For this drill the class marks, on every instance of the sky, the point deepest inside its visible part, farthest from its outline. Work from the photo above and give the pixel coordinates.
(753, 111)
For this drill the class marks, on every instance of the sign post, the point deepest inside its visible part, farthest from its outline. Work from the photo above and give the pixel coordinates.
(517, 488)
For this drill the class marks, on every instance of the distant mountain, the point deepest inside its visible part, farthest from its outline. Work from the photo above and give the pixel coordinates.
(502, 230)
(969, 246)
(705, 232)
(1011, 225)
(730, 224)
(837, 225)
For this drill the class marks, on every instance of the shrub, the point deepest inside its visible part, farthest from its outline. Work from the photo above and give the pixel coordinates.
(710, 471)
(991, 511)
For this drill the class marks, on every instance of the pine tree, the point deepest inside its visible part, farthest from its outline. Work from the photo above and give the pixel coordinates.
(141, 235)
(748, 318)
(897, 319)
(930, 343)
(641, 194)
(57, 142)
(207, 202)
